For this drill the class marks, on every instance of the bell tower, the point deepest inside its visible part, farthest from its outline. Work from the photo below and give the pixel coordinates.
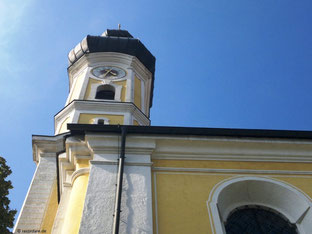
(73, 189)
(110, 82)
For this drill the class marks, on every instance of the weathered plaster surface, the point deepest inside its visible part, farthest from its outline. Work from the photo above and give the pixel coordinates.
(37, 199)
(98, 210)
(136, 206)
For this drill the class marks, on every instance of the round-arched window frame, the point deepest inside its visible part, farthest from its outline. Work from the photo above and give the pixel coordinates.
(277, 195)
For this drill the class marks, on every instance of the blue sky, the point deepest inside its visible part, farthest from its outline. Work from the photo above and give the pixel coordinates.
(220, 63)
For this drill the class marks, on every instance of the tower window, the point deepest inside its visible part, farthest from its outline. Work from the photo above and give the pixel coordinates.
(100, 121)
(105, 92)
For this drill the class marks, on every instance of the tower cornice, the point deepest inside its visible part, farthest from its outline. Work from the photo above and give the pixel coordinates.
(77, 107)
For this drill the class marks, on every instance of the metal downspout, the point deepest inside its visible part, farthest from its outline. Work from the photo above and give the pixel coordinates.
(58, 175)
(119, 181)
(58, 168)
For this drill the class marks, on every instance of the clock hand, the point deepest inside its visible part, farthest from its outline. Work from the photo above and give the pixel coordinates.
(113, 73)
(107, 73)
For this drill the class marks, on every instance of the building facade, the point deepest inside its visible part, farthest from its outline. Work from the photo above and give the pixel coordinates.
(106, 170)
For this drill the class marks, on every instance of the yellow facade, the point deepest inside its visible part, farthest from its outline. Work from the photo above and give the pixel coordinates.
(77, 198)
(180, 197)
(76, 201)
(51, 210)
(75, 205)
(88, 118)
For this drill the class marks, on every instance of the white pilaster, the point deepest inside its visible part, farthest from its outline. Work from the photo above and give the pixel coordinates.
(136, 203)
(100, 198)
(38, 196)
(129, 90)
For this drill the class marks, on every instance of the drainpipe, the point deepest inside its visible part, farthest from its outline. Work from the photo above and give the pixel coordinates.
(58, 175)
(120, 178)
(58, 168)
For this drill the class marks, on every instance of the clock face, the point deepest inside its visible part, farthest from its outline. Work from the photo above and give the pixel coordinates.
(105, 72)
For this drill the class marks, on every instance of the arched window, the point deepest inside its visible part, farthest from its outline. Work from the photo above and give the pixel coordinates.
(100, 121)
(106, 92)
(257, 219)
(279, 199)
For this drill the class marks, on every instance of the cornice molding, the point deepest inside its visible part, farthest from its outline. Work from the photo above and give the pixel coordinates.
(111, 162)
(235, 171)
(183, 148)
(236, 158)
(101, 107)
(47, 145)
(110, 143)
(231, 149)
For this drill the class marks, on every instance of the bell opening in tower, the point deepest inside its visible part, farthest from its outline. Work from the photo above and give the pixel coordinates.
(106, 92)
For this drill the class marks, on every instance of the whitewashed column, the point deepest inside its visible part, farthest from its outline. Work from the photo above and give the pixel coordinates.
(136, 204)
(38, 196)
(99, 203)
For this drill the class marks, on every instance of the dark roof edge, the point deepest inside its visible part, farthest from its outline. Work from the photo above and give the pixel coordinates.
(81, 129)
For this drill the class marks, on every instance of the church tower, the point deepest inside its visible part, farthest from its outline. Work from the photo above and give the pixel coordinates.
(110, 81)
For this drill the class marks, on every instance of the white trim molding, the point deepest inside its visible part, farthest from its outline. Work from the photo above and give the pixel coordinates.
(77, 107)
(267, 192)
(232, 149)
(239, 171)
